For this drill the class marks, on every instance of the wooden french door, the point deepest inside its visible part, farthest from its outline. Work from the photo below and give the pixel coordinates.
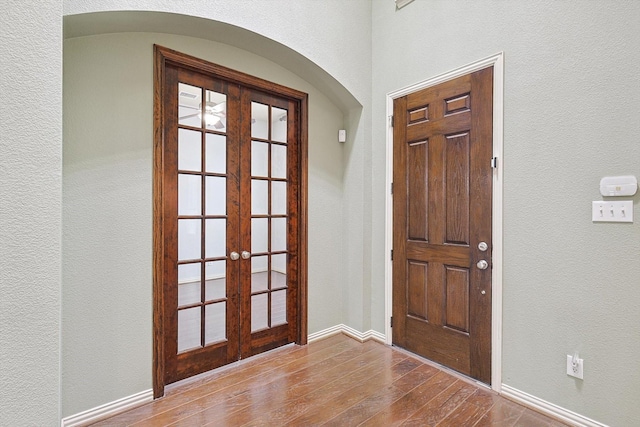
(229, 217)
(442, 194)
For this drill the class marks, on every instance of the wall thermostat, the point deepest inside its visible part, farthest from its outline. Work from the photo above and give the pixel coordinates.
(618, 185)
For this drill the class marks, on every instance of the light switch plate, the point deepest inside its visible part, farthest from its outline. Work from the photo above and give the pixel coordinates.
(612, 211)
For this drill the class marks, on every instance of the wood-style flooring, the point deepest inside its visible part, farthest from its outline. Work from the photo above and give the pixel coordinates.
(336, 381)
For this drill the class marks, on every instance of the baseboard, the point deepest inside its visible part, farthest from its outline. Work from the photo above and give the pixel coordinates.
(113, 408)
(107, 410)
(548, 408)
(350, 332)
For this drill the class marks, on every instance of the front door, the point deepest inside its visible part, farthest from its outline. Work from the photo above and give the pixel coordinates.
(442, 178)
(229, 217)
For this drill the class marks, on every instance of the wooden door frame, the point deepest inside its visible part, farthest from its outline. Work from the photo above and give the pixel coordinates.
(163, 56)
(497, 62)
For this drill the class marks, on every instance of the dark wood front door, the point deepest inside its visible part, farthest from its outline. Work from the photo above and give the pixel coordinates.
(442, 180)
(229, 217)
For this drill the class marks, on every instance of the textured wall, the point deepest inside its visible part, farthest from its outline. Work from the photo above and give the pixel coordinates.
(572, 92)
(30, 203)
(107, 292)
(335, 35)
(331, 33)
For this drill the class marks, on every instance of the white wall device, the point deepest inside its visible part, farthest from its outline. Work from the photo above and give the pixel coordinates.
(618, 185)
(612, 211)
(342, 135)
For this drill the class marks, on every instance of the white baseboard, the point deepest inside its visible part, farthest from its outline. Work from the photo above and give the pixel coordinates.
(349, 331)
(107, 410)
(548, 408)
(130, 402)
(113, 408)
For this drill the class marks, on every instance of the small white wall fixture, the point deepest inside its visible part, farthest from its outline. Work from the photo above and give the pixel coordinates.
(497, 62)
(402, 3)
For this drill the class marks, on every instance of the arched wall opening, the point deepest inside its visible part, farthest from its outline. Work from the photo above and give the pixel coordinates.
(107, 186)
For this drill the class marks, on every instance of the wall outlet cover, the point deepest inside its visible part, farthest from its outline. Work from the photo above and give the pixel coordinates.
(577, 370)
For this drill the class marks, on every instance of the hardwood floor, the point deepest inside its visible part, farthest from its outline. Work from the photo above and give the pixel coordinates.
(336, 381)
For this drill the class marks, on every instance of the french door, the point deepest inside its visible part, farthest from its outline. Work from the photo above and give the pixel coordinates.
(229, 217)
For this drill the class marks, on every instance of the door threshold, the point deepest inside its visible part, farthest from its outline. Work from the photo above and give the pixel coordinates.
(203, 377)
(448, 370)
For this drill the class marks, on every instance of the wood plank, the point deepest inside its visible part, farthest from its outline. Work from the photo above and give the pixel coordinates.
(442, 405)
(533, 418)
(225, 377)
(276, 380)
(336, 381)
(504, 413)
(404, 407)
(316, 389)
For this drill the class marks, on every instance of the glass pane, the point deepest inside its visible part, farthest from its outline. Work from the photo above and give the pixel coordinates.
(259, 312)
(278, 125)
(216, 159)
(259, 280)
(216, 195)
(259, 197)
(215, 111)
(188, 328)
(215, 280)
(278, 161)
(215, 238)
(278, 271)
(215, 322)
(189, 237)
(278, 198)
(278, 234)
(189, 150)
(259, 120)
(259, 235)
(188, 284)
(189, 102)
(259, 158)
(189, 194)
(278, 308)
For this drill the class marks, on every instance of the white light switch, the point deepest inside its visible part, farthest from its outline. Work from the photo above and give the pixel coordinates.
(612, 211)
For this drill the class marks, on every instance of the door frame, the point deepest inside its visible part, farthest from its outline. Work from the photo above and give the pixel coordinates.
(162, 56)
(497, 62)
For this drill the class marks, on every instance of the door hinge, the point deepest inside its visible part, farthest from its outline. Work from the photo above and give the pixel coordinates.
(391, 254)
(392, 188)
(391, 321)
(391, 120)
(494, 162)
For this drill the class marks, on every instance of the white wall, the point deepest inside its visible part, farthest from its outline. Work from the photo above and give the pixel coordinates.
(107, 207)
(572, 93)
(571, 90)
(335, 35)
(30, 206)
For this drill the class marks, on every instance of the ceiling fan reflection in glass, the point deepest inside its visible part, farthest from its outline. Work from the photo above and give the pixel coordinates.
(190, 109)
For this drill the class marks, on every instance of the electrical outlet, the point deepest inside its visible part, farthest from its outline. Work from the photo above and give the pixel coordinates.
(577, 370)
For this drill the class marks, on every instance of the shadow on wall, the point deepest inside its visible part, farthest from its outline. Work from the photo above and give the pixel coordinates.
(139, 21)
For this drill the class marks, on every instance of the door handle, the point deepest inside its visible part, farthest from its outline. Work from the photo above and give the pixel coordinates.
(482, 264)
(246, 255)
(234, 256)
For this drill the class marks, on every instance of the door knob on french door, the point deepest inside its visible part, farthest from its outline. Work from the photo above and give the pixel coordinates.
(482, 264)
(246, 255)
(234, 256)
